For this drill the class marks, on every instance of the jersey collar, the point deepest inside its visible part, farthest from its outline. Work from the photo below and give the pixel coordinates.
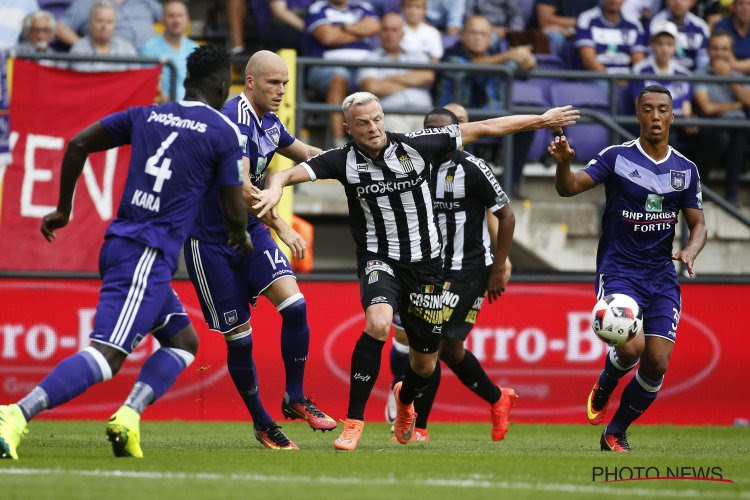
(250, 107)
(668, 155)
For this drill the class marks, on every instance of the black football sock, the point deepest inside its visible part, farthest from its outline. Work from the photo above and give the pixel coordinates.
(363, 374)
(423, 402)
(413, 384)
(473, 376)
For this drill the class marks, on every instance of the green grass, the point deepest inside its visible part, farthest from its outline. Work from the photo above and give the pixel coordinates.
(223, 460)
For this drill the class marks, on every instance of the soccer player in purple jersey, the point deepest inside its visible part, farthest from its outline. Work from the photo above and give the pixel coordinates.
(386, 177)
(178, 150)
(647, 183)
(227, 284)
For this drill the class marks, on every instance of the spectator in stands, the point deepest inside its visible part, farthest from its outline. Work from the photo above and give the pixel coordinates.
(708, 10)
(483, 90)
(722, 100)
(398, 89)
(662, 61)
(606, 41)
(419, 36)
(101, 40)
(288, 14)
(135, 25)
(446, 15)
(38, 31)
(338, 29)
(174, 45)
(692, 31)
(12, 14)
(557, 19)
(641, 10)
(738, 27)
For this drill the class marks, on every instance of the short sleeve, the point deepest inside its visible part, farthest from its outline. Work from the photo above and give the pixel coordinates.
(329, 164)
(483, 185)
(119, 125)
(433, 143)
(600, 167)
(583, 32)
(285, 138)
(229, 171)
(693, 196)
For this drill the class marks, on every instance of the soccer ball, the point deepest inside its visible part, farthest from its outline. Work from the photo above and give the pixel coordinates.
(616, 319)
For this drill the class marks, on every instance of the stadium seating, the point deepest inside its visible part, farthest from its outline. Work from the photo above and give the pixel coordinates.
(532, 93)
(586, 138)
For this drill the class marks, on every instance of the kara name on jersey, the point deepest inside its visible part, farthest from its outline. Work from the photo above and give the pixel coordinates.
(145, 200)
(171, 120)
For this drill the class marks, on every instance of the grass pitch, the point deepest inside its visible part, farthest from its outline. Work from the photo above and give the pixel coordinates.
(223, 460)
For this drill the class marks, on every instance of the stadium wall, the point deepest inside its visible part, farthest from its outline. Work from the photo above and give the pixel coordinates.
(536, 339)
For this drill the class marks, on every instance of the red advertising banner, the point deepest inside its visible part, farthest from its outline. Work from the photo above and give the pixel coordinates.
(537, 339)
(49, 106)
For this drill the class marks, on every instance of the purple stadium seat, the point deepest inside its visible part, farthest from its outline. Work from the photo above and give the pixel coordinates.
(549, 61)
(530, 93)
(586, 138)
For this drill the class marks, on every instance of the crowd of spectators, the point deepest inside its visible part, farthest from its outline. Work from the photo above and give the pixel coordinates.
(655, 37)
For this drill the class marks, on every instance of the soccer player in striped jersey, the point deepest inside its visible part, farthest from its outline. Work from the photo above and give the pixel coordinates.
(386, 178)
(647, 183)
(178, 150)
(466, 194)
(227, 284)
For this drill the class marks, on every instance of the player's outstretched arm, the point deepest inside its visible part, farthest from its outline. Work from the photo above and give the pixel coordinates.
(234, 213)
(567, 182)
(698, 235)
(299, 151)
(554, 118)
(93, 138)
(499, 274)
(275, 183)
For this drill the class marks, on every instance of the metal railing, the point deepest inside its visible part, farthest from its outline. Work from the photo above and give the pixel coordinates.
(613, 122)
(148, 61)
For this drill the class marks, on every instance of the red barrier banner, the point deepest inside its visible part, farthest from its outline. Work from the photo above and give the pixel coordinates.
(537, 339)
(49, 106)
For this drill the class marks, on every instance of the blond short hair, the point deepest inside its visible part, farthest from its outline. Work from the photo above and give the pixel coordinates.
(358, 99)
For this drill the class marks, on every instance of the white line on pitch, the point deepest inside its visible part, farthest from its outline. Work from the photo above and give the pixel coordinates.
(451, 483)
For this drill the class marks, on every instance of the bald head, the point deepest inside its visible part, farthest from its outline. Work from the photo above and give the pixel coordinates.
(459, 111)
(266, 76)
(262, 60)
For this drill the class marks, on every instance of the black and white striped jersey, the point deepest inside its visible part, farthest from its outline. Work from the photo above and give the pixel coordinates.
(464, 188)
(390, 202)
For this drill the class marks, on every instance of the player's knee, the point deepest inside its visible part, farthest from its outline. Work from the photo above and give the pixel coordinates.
(114, 357)
(378, 323)
(654, 365)
(186, 340)
(423, 366)
(294, 309)
(452, 352)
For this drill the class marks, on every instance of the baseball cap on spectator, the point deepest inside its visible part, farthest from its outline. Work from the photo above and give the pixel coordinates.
(663, 27)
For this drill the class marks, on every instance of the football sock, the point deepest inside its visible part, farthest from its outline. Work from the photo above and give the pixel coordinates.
(636, 398)
(242, 370)
(473, 376)
(364, 372)
(295, 341)
(70, 378)
(399, 361)
(158, 374)
(423, 402)
(613, 371)
(414, 384)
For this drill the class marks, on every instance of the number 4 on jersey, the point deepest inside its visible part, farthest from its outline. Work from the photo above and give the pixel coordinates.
(161, 172)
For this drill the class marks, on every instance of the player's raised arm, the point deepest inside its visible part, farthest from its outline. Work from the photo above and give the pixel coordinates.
(554, 118)
(275, 183)
(567, 182)
(698, 235)
(91, 139)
